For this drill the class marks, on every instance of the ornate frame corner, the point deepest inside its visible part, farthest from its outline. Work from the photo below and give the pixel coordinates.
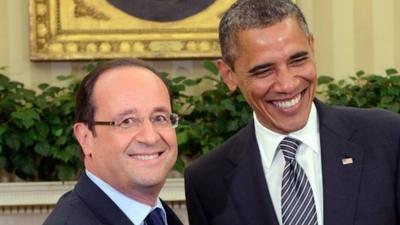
(95, 29)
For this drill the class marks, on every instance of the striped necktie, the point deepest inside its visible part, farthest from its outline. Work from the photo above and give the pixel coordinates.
(298, 206)
(154, 218)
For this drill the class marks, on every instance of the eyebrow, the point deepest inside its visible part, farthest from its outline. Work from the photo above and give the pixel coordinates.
(299, 55)
(135, 111)
(126, 112)
(160, 109)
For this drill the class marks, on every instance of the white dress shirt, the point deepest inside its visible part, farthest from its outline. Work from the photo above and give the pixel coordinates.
(308, 156)
(134, 210)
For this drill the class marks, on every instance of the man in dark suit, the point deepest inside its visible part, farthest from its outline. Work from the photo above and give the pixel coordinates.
(298, 161)
(125, 127)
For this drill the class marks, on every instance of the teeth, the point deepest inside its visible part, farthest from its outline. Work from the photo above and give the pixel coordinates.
(289, 103)
(145, 157)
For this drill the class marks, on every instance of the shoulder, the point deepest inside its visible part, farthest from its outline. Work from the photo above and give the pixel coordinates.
(70, 209)
(222, 160)
(361, 118)
(375, 130)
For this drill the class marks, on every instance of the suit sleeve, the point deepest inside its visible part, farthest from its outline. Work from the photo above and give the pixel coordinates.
(195, 210)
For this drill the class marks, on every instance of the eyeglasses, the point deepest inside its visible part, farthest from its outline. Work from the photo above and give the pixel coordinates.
(159, 120)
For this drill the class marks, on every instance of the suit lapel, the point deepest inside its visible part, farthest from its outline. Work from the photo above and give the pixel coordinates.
(105, 209)
(172, 219)
(246, 183)
(340, 180)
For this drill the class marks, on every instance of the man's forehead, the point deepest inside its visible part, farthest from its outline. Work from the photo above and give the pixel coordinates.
(127, 82)
(127, 69)
(127, 76)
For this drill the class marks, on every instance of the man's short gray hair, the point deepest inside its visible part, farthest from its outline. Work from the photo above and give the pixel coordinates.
(250, 14)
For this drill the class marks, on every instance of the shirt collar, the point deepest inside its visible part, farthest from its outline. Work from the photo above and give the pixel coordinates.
(269, 140)
(134, 210)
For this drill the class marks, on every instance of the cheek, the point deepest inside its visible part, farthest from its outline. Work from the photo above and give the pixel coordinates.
(111, 144)
(170, 139)
(308, 72)
(257, 90)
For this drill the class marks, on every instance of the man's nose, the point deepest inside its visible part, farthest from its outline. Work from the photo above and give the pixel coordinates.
(285, 80)
(147, 133)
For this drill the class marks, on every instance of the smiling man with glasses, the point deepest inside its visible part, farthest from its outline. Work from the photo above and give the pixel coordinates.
(125, 127)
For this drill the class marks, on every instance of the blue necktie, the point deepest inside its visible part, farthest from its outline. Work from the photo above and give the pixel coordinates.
(298, 206)
(154, 218)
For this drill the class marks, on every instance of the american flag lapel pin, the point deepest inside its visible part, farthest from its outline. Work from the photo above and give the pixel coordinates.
(347, 160)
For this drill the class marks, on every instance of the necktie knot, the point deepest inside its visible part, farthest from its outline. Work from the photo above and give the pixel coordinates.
(154, 218)
(289, 146)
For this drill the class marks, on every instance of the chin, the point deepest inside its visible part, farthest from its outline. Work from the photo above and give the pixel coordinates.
(151, 180)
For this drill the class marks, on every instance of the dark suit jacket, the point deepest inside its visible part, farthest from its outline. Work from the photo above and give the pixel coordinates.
(87, 204)
(228, 187)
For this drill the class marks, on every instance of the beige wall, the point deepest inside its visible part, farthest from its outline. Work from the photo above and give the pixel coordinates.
(349, 35)
(354, 34)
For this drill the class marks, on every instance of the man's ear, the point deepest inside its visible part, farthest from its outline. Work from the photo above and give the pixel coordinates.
(311, 42)
(84, 137)
(227, 75)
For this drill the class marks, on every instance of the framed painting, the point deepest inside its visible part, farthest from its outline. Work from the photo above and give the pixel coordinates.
(104, 29)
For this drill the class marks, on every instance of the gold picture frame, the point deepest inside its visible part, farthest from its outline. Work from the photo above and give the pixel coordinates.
(95, 29)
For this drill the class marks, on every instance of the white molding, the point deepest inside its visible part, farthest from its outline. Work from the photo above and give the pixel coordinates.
(173, 190)
(48, 193)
